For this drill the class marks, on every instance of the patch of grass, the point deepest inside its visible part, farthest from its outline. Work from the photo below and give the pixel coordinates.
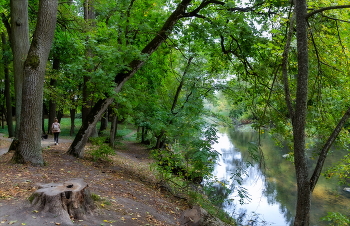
(107, 203)
(96, 198)
(100, 150)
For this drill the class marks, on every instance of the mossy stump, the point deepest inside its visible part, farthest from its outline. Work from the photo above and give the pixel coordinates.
(68, 200)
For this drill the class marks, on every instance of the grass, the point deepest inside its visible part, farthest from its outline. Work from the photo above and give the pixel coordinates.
(123, 129)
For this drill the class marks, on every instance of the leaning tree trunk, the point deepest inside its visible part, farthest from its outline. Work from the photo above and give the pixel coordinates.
(29, 146)
(77, 147)
(71, 199)
(88, 126)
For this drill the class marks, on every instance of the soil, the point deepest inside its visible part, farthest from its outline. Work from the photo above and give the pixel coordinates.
(125, 189)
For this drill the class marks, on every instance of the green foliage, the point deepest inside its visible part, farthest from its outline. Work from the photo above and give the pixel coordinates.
(192, 162)
(100, 150)
(95, 197)
(341, 170)
(336, 219)
(217, 191)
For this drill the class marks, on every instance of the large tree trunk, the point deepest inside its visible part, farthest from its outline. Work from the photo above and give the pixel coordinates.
(95, 114)
(20, 47)
(7, 87)
(29, 146)
(299, 121)
(71, 199)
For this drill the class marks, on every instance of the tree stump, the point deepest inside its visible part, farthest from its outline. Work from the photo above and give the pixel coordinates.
(68, 200)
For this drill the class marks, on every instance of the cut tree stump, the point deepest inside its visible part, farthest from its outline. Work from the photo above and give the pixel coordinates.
(68, 200)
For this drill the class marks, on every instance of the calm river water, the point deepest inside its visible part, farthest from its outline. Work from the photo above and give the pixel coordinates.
(272, 187)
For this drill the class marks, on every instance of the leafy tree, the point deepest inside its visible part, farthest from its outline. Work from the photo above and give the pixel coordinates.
(301, 110)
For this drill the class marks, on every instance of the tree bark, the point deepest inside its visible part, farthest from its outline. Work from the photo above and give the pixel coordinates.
(71, 199)
(20, 47)
(76, 148)
(72, 121)
(29, 138)
(299, 121)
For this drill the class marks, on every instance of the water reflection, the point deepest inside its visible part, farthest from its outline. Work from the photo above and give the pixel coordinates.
(271, 187)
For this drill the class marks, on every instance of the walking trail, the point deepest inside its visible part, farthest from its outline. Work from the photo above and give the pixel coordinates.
(126, 191)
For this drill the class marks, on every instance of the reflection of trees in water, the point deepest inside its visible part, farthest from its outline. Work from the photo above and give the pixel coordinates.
(254, 219)
(279, 185)
(218, 193)
(274, 196)
(279, 176)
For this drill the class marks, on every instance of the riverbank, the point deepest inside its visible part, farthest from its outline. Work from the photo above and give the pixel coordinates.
(126, 191)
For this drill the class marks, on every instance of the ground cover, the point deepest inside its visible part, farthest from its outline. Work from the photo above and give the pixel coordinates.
(125, 189)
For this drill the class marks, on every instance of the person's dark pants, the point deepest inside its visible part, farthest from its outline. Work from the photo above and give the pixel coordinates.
(55, 137)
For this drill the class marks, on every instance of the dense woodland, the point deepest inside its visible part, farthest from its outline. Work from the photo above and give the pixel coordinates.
(283, 65)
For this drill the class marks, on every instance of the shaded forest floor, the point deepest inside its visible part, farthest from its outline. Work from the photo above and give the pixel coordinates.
(125, 189)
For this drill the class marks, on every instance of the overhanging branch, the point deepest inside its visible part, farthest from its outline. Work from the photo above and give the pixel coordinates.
(325, 149)
(325, 9)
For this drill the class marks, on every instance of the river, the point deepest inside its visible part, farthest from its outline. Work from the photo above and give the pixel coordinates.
(271, 186)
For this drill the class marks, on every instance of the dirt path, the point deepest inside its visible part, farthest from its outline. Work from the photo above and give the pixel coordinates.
(126, 188)
(5, 141)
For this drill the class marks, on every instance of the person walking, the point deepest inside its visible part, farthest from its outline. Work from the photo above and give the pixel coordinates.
(56, 129)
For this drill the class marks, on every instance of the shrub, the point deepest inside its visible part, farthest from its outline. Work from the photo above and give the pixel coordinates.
(100, 150)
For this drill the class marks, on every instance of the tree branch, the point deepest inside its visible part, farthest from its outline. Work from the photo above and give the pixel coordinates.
(5, 21)
(325, 9)
(179, 88)
(325, 149)
(205, 3)
(285, 68)
(331, 18)
(153, 45)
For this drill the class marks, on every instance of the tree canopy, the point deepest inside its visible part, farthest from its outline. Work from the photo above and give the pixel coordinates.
(283, 65)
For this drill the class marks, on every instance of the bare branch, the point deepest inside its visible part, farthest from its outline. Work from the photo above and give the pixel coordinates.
(325, 9)
(331, 18)
(205, 3)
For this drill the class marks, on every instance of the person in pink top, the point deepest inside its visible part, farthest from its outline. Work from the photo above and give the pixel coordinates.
(56, 129)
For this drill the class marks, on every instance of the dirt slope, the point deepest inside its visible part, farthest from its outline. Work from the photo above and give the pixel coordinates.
(125, 187)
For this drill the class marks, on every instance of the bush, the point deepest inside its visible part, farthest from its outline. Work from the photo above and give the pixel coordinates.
(100, 150)
(336, 219)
